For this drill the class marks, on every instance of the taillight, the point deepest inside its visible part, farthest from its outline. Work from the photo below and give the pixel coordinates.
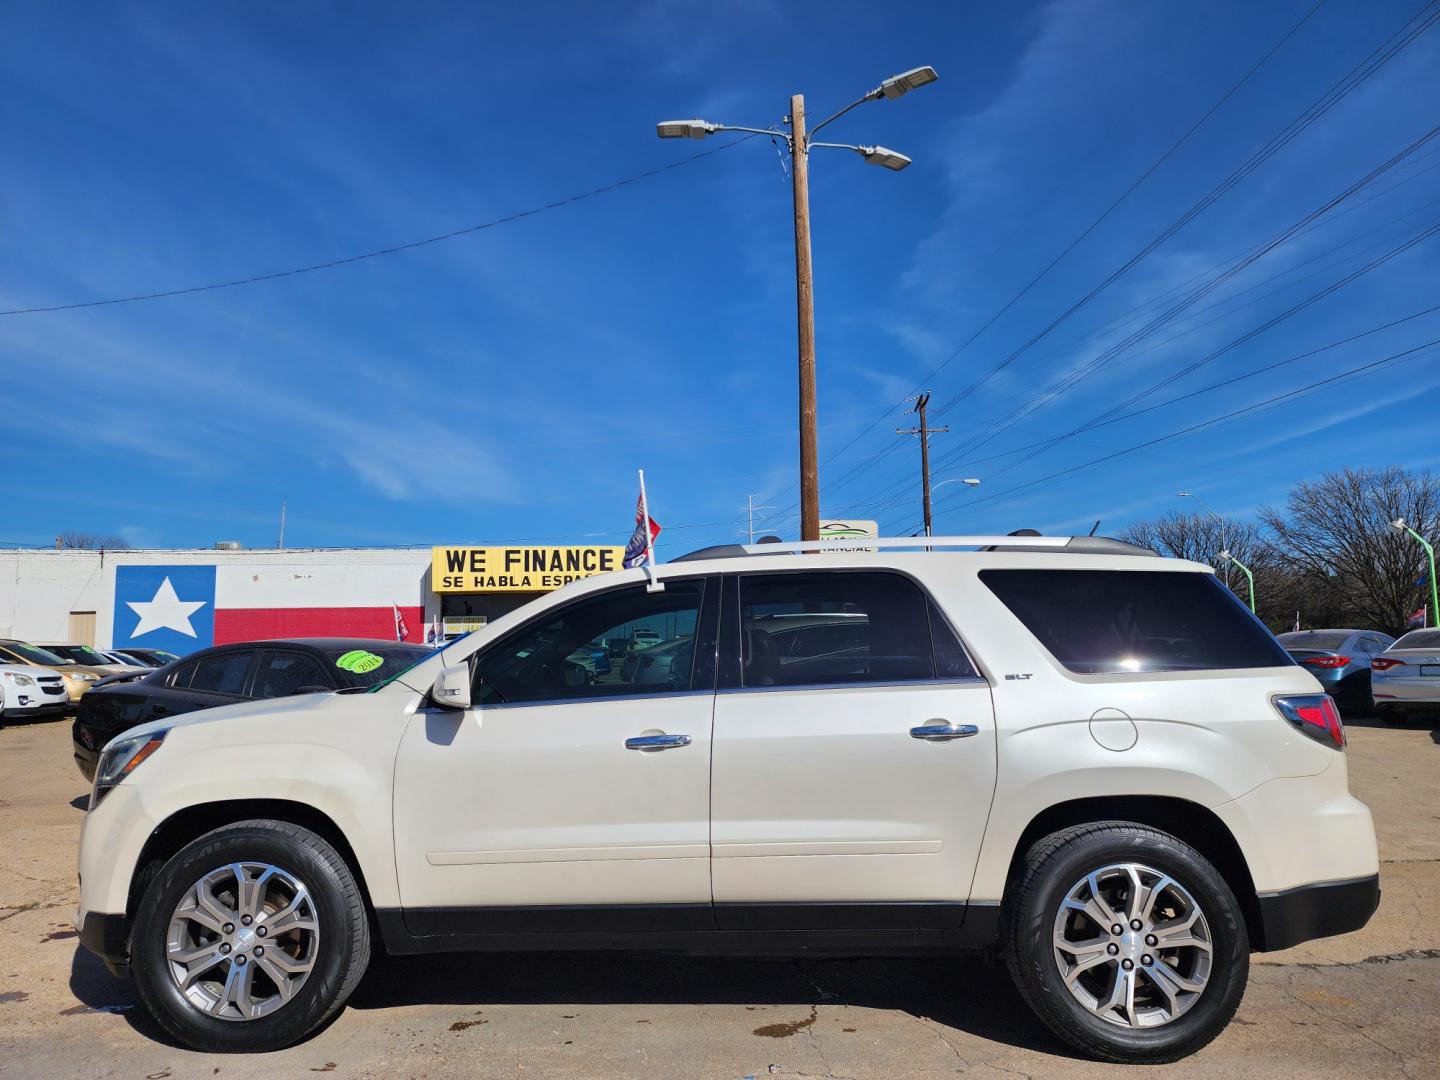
(1316, 716)
(1385, 663)
(1327, 661)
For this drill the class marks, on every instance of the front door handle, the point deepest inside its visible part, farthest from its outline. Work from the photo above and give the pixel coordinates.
(656, 742)
(939, 731)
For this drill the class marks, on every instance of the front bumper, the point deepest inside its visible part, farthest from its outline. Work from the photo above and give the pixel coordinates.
(1314, 911)
(37, 712)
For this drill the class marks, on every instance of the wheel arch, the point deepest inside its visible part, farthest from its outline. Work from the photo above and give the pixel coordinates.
(1185, 820)
(192, 822)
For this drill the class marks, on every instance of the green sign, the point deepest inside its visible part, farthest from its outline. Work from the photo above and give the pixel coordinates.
(359, 661)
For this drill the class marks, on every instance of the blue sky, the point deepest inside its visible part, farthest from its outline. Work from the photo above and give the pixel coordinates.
(507, 383)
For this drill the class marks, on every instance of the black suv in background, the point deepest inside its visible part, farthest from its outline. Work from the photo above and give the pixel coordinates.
(230, 673)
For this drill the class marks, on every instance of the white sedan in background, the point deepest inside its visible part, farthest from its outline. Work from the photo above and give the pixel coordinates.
(1406, 677)
(31, 693)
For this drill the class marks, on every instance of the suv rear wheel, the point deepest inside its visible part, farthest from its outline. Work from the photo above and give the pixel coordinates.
(1127, 942)
(250, 938)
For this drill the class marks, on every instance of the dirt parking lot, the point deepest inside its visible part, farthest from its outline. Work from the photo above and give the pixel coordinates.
(1357, 1006)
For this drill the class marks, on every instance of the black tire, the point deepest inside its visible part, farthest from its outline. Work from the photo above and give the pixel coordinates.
(342, 952)
(1060, 860)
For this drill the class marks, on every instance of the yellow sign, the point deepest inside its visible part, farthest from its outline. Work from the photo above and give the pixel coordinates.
(517, 569)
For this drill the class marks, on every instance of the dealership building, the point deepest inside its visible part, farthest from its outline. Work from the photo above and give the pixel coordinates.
(183, 600)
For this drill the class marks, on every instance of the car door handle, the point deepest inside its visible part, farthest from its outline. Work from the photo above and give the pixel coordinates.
(656, 742)
(942, 732)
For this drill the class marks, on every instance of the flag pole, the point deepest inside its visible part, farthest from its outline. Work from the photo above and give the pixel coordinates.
(653, 585)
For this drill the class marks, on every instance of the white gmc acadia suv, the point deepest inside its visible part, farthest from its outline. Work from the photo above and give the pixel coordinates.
(1069, 750)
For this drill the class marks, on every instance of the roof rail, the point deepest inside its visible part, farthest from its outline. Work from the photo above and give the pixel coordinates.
(1086, 545)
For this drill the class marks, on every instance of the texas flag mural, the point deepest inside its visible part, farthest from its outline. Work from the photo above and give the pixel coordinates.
(187, 607)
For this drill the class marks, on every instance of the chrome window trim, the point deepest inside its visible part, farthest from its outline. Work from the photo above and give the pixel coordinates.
(866, 684)
(667, 695)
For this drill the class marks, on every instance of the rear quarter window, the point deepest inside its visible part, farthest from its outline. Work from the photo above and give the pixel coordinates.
(1121, 621)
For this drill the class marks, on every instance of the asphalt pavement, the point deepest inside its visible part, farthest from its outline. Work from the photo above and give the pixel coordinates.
(1362, 1005)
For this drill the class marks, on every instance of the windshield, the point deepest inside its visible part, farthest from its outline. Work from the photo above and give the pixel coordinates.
(1419, 639)
(81, 654)
(35, 654)
(373, 664)
(1314, 639)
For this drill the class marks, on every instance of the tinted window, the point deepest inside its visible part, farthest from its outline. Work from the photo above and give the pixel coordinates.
(1324, 640)
(1096, 621)
(1419, 639)
(799, 629)
(563, 655)
(80, 654)
(222, 674)
(284, 673)
(32, 653)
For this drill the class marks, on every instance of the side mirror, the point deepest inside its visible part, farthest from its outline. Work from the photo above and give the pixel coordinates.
(452, 688)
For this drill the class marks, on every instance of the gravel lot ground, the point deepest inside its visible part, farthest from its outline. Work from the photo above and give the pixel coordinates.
(1357, 1006)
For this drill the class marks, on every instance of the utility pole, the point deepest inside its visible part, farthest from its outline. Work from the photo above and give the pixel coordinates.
(281, 544)
(805, 321)
(924, 431)
(750, 509)
(800, 141)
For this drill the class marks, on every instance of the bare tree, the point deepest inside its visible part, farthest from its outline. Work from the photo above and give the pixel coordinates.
(1336, 532)
(1202, 537)
(90, 541)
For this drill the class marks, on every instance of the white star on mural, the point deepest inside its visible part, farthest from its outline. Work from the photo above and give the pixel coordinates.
(165, 612)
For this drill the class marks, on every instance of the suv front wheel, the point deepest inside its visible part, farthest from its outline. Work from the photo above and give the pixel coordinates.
(250, 938)
(1127, 942)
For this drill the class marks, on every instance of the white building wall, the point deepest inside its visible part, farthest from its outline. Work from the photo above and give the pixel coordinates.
(39, 589)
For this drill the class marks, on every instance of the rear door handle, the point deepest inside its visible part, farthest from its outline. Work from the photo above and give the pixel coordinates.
(942, 732)
(656, 742)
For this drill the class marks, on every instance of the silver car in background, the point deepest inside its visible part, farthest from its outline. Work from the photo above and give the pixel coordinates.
(1406, 677)
(1340, 659)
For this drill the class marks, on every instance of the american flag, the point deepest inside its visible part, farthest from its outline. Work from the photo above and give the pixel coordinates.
(637, 551)
(1417, 617)
(401, 630)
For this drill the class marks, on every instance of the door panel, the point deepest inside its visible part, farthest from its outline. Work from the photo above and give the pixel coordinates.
(526, 805)
(823, 795)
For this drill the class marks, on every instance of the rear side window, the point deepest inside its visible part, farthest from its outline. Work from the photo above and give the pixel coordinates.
(1117, 621)
(223, 674)
(840, 627)
(284, 673)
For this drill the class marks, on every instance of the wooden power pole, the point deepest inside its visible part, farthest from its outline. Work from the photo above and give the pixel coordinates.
(924, 431)
(805, 318)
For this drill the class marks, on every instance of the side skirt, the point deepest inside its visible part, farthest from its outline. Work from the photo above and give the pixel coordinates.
(698, 929)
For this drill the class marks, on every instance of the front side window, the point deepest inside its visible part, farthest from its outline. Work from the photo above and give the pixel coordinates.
(570, 654)
(833, 627)
(222, 674)
(1119, 621)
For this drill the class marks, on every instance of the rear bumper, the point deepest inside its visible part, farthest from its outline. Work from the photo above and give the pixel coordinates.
(1405, 691)
(108, 937)
(1319, 910)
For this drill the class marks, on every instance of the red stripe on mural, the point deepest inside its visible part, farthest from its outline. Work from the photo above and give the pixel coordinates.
(256, 624)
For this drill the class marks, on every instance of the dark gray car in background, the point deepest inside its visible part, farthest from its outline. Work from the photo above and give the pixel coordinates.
(1340, 659)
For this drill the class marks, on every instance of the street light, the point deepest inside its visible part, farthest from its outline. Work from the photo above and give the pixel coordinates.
(1206, 507)
(800, 143)
(1249, 576)
(1400, 526)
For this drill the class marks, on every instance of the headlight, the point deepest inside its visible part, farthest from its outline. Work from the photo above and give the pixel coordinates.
(120, 759)
(18, 679)
(84, 676)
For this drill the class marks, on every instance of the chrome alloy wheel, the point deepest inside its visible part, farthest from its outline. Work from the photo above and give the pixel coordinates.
(243, 940)
(1132, 946)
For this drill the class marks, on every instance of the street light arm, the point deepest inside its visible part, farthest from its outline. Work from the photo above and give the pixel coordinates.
(873, 95)
(755, 131)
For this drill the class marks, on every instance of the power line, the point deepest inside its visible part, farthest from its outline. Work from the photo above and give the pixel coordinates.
(1377, 59)
(395, 249)
(1408, 354)
(1084, 233)
(1109, 355)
